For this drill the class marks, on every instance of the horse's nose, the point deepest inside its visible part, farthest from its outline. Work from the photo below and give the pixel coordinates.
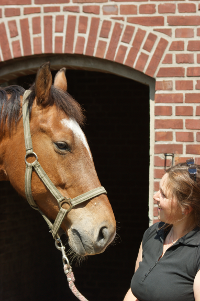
(104, 237)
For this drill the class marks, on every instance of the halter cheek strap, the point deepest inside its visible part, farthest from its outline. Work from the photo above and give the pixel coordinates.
(55, 227)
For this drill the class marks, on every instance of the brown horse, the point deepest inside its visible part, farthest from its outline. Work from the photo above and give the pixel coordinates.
(64, 154)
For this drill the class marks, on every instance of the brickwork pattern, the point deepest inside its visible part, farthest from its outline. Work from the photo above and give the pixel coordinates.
(157, 38)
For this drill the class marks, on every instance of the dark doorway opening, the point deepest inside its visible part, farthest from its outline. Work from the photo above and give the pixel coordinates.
(117, 130)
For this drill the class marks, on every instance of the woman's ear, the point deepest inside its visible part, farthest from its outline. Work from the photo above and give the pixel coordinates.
(187, 210)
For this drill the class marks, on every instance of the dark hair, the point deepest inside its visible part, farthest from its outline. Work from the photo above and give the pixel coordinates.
(185, 188)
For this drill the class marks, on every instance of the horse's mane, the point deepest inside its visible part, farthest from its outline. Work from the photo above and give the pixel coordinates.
(10, 108)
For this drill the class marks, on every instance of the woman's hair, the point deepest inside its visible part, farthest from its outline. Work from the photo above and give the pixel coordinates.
(186, 188)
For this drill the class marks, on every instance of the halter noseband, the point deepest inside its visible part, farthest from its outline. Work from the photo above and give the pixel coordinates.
(55, 227)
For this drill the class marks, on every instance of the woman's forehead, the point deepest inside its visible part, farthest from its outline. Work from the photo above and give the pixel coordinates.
(163, 181)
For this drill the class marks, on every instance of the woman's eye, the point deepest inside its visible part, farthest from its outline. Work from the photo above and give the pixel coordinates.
(62, 146)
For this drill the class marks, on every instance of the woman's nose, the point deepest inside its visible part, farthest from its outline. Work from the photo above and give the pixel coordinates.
(156, 196)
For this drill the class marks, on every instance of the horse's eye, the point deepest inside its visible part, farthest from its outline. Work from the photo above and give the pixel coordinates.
(63, 146)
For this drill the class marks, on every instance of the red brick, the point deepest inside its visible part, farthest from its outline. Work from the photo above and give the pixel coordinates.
(156, 185)
(197, 161)
(128, 33)
(193, 45)
(198, 58)
(89, 1)
(82, 26)
(118, 18)
(101, 48)
(11, 12)
(198, 111)
(48, 34)
(147, 9)
(121, 54)
(155, 60)
(180, 159)
(114, 41)
(36, 25)
(141, 62)
(184, 85)
(169, 98)
(15, 2)
(192, 97)
(193, 149)
(166, 31)
(150, 41)
(163, 136)
(184, 111)
(197, 87)
(91, 9)
(177, 46)
(184, 32)
(16, 49)
(59, 23)
(158, 173)
(69, 39)
(31, 10)
(0, 13)
(155, 211)
(139, 37)
(110, 9)
(166, 8)
(192, 124)
(58, 44)
(147, 21)
(128, 9)
(80, 45)
(92, 36)
(168, 124)
(185, 58)
(130, 0)
(105, 29)
(164, 85)
(163, 110)
(171, 72)
(198, 136)
(50, 1)
(186, 8)
(184, 137)
(183, 20)
(167, 59)
(160, 162)
(37, 45)
(168, 148)
(13, 29)
(198, 31)
(73, 9)
(49, 9)
(26, 42)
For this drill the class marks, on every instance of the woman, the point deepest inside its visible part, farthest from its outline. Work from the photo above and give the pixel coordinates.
(168, 263)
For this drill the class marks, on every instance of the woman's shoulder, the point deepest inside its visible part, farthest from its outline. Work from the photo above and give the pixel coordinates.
(152, 230)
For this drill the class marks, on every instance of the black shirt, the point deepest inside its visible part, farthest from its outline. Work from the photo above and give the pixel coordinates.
(171, 278)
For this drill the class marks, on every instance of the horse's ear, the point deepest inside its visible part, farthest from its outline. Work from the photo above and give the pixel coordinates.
(60, 80)
(43, 83)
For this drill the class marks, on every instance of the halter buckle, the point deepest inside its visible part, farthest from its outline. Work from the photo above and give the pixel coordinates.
(67, 201)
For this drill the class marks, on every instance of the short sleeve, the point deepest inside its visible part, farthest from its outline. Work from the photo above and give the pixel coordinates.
(197, 259)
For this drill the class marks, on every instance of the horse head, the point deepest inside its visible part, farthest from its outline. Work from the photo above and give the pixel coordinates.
(63, 153)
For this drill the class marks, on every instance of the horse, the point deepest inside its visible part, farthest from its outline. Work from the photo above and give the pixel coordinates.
(62, 150)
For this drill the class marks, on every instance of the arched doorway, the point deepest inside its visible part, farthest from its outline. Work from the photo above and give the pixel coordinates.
(117, 129)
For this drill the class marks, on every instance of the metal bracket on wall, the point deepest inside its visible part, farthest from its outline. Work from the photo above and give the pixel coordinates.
(169, 155)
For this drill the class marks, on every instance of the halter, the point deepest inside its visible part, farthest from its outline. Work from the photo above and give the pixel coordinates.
(55, 227)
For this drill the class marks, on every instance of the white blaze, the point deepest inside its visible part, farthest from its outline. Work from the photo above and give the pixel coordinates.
(74, 126)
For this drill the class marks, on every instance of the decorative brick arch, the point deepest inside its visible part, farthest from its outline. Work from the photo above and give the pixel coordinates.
(134, 46)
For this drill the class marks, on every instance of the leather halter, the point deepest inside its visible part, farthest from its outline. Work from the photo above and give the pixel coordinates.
(55, 227)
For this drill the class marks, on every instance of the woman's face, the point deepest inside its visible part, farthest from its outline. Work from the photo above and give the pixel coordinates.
(169, 210)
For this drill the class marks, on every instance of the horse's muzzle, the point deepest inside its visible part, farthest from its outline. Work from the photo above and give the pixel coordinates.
(85, 242)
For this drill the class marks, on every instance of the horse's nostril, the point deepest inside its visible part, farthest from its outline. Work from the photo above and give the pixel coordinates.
(103, 235)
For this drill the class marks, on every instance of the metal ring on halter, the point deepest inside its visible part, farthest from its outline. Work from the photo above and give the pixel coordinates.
(67, 201)
(29, 154)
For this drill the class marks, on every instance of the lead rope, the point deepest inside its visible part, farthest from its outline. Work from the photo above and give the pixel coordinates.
(68, 271)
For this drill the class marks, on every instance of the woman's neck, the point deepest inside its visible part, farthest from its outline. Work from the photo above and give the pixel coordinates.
(182, 227)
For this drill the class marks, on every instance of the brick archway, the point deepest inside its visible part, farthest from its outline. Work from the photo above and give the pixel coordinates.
(134, 46)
